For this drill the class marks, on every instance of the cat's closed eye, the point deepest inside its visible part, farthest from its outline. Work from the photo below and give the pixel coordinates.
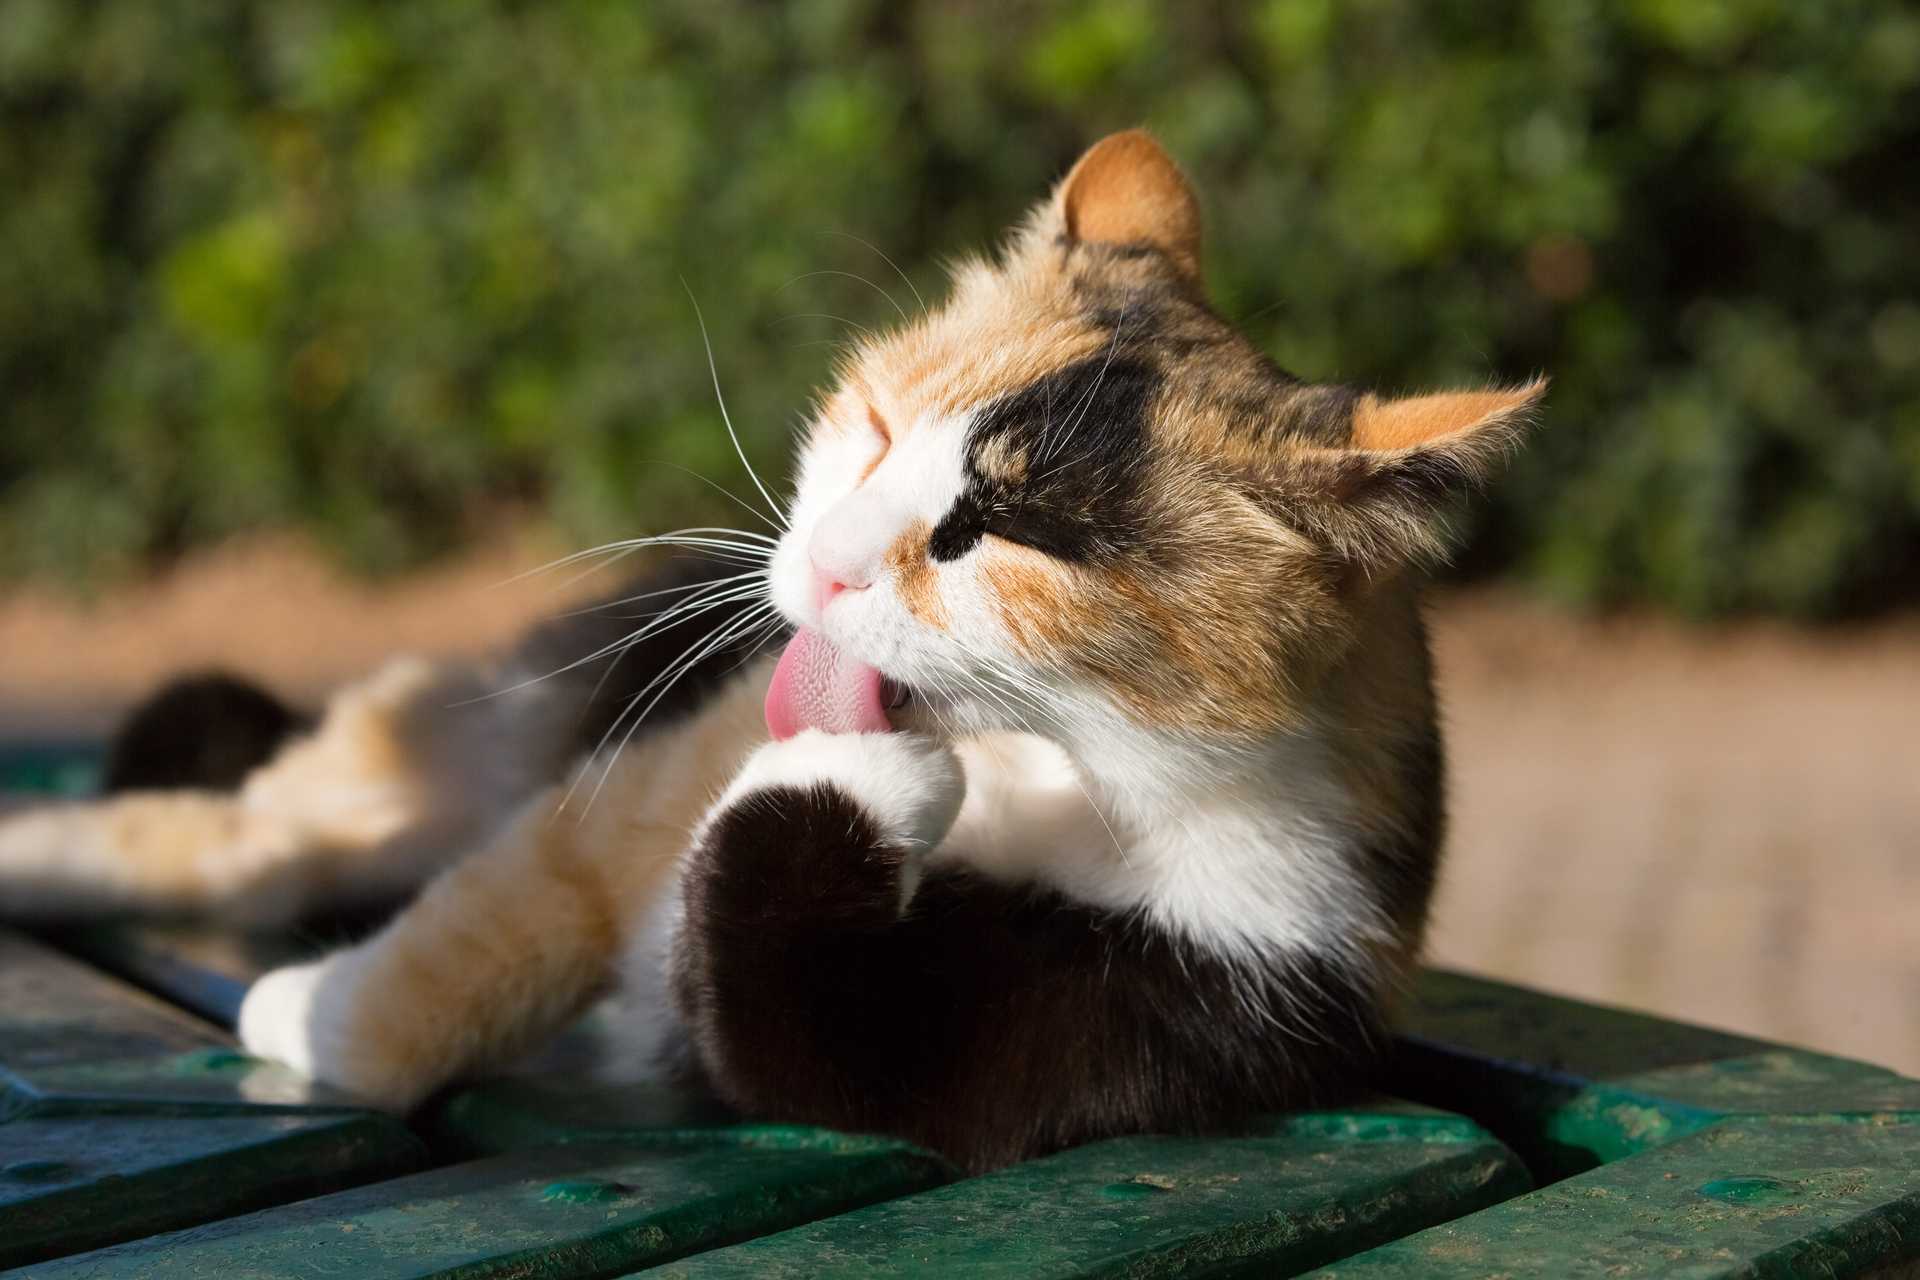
(883, 438)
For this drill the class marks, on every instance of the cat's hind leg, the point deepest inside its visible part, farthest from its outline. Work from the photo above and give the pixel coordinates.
(517, 938)
(366, 807)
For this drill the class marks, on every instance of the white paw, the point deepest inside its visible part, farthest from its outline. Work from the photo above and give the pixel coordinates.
(278, 1017)
(910, 785)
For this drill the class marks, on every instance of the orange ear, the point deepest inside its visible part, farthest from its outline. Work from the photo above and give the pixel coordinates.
(1381, 497)
(1418, 420)
(1127, 190)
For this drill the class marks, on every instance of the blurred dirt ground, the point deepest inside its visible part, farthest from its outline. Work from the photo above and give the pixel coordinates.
(1717, 824)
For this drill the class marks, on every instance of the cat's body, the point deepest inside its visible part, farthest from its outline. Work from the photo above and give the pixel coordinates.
(1153, 847)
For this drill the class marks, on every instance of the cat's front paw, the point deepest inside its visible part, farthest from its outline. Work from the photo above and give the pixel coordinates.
(828, 826)
(277, 1016)
(302, 1015)
(909, 786)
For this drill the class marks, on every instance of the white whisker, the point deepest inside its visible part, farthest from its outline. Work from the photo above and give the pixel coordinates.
(889, 261)
(823, 315)
(851, 275)
(715, 640)
(719, 488)
(713, 370)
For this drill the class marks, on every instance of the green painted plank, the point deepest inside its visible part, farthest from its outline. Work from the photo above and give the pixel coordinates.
(73, 1040)
(58, 1011)
(203, 970)
(512, 1115)
(1307, 1189)
(121, 1116)
(1787, 1197)
(1570, 1085)
(553, 1212)
(51, 768)
(73, 1183)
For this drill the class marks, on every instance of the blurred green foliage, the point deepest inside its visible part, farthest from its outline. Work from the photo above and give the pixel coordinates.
(380, 269)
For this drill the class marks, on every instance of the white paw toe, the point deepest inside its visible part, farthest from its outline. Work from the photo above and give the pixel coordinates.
(277, 1016)
(910, 785)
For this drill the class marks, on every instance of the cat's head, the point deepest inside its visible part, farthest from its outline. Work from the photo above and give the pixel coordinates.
(1074, 491)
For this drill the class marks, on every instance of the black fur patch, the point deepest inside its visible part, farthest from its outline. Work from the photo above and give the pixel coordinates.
(205, 731)
(992, 1024)
(1083, 434)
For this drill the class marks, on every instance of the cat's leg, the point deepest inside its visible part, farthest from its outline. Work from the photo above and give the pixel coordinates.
(366, 806)
(812, 855)
(989, 1019)
(346, 810)
(501, 949)
(515, 939)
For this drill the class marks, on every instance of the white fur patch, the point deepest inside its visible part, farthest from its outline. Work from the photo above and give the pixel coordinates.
(278, 1015)
(910, 786)
(1245, 856)
(299, 1015)
(638, 1020)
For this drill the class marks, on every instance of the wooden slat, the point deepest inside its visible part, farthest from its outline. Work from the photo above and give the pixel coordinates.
(121, 1116)
(1314, 1187)
(72, 1183)
(1747, 1198)
(548, 1213)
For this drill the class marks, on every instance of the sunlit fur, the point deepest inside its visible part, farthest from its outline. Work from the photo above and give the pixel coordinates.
(1156, 600)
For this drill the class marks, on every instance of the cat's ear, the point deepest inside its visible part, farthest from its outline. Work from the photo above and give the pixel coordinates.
(1127, 191)
(1379, 498)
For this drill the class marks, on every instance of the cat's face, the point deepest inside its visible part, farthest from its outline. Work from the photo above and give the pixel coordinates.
(1074, 492)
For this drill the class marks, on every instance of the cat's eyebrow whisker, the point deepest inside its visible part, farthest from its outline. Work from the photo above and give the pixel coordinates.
(822, 315)
(850, 275)
(1086, 401)
(713, 370)
(882, 254)
(719, 488)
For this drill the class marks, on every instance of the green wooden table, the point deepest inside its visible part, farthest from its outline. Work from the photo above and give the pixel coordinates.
(1518, 1134)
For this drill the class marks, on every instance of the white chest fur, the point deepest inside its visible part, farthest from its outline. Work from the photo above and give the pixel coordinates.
(1256, 859)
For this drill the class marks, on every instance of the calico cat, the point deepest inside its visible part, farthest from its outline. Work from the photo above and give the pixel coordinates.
(1096, 789)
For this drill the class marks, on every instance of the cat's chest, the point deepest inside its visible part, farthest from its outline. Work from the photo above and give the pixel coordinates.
(1029, 818)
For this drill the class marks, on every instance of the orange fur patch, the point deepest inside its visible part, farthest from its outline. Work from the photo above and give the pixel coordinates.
(1197, 647)
(913, 575)
(1415, 420)
(1037, 614)
(1126, 191)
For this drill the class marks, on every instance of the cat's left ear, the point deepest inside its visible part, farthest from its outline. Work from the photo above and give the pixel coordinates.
(1379, 498)
(1127, 191)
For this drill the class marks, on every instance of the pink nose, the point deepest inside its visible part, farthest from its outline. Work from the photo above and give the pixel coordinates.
(828, 583)
(849, 544)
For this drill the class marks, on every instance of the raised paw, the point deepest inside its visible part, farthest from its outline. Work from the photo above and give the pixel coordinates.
(828, 825)
(908, 785)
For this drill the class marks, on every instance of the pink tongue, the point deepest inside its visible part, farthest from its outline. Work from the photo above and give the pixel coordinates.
(819, 686)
